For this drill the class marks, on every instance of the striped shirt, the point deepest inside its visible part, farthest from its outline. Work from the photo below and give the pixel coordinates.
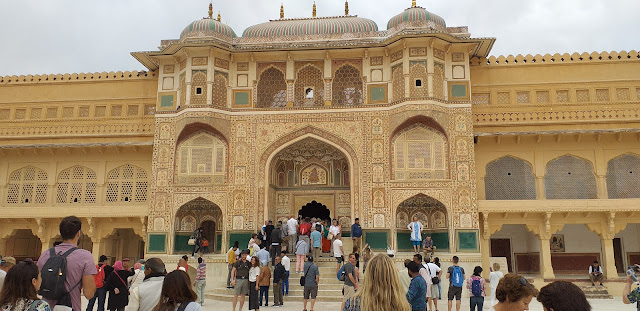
(201, 274)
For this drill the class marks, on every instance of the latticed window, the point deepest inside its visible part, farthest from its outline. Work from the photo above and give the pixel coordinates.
(347, 86)
(202, 159)
(623, 177)
(220, 83)
(418, 79)
(570, 177)
(76, 184)
(438, 80)
(27, 185)
(127, 183)
(272, 89)
(309, 77)
(397, 79)
(420, 153)
(198, 87)
(509, 178)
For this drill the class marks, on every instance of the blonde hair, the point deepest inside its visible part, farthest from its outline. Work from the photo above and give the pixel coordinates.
(381, 289)
(496, 266)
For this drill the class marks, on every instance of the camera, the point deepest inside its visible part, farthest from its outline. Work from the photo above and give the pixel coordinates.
(632, 270)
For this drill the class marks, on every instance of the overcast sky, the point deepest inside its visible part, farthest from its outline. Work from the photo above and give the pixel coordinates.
(67, 36)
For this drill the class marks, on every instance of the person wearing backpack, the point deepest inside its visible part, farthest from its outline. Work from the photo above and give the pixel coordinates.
(456, 277)
(67, 270)
(104, 270)
(478, 289)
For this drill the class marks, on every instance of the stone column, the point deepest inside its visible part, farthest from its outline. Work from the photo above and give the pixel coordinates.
(96, 251)
(608, 259)
(546, 269)
(485, 246)
(601, 183)
(540, 192)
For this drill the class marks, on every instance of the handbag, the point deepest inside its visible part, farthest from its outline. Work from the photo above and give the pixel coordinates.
(303, 277)
(192, 241)
(330, 236)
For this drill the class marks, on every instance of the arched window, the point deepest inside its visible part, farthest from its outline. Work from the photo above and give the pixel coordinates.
(220, 83)
(309, 78)
(418, 79)
(127, 183)
(198, 87)
(347, 86)
(509, 178)
(623, 177)
(27, 185)
(76, 184)
(419, 152)
(202, 160)
(272, 89)
(569, 177)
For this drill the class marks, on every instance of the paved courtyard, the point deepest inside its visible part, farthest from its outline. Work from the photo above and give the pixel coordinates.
(596, 304)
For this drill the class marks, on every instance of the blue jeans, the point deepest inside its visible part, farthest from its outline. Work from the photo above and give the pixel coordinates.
(285, 283)
(476, 301)
(101, 295)
(440, 291)
(264, 291)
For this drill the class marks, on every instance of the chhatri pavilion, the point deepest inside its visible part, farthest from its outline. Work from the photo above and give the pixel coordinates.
(531, 158)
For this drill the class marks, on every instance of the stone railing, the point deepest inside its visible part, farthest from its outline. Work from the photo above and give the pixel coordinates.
(120, 75)
(556, 116)
(556, 58)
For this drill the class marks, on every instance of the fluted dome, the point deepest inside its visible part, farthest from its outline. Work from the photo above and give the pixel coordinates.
(417, 17)
(207, 27)
(312, 26)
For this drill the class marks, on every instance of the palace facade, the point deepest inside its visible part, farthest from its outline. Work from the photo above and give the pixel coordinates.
(532, 158)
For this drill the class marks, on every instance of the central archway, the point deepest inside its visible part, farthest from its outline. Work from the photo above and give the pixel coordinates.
(309, 170)
(431, 213)
(315, 209)
(194, 214)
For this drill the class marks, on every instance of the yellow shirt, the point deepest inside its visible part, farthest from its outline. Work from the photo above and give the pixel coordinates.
(231, 256)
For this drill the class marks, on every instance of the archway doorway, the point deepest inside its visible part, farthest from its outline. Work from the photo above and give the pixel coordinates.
(23, 244)
(123, 243)
(310, 177)
(194, 214)
(315, 209)
(433, 216)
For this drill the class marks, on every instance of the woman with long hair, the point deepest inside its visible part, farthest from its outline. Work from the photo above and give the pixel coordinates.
(118, 287)
(381, 289)
(254, 272)
(20, 289)
(177, 293)
(563, 296)
(514, 293)
(478, 289)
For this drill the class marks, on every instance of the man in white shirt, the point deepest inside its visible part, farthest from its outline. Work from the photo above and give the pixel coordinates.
(292, 223)
(338, 252)
(595, 273)
(286, 262)
(434, 271)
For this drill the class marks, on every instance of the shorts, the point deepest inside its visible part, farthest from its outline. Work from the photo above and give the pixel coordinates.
(348, 292)
(435, 293)
(416, 243)
(455, 291)
(310, 292)
(242, 287)
(340, 259)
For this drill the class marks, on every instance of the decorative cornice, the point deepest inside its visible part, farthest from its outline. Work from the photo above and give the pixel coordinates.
(557, 58)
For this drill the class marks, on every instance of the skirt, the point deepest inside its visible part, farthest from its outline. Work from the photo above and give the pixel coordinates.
(253, 297)
(326, 245)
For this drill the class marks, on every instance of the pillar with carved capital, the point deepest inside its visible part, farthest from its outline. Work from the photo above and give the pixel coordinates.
(96, 251)
(546, 268)
(485, 246)
(608, 260)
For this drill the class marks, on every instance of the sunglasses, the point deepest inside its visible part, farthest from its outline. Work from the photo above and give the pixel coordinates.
(524, 282)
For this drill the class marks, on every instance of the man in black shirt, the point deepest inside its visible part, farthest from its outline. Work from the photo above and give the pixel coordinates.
(240, 279)
(267, 230)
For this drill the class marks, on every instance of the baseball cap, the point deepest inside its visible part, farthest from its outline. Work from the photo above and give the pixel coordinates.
(10, 260)
(245, 251)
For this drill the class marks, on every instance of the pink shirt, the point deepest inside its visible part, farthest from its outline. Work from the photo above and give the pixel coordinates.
(482, 283)
(79, 264)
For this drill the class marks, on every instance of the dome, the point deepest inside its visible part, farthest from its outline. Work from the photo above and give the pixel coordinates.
(417, 17)
(207, 27)
(312, 26)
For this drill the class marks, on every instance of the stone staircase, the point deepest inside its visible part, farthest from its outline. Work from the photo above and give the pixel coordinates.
(595, 292)
(329, 288)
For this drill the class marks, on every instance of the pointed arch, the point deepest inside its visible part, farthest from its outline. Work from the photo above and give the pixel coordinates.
(623, 176)
(127, 183)
(272, 88)
(202, 159)
(347, 86)
(76, 184)
(570, 177)
(219, 93)
(510, 178)
(309, 76)
(27, 185)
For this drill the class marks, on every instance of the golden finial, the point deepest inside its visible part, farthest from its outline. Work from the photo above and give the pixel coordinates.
(281, 10)
(346, 8)
(413, 3)
(219, 17)
(211, 10)
(314, 9)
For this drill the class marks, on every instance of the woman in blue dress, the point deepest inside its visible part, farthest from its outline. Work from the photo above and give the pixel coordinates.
(416, 233)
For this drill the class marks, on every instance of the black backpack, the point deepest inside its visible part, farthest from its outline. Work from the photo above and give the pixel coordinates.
(54, 275)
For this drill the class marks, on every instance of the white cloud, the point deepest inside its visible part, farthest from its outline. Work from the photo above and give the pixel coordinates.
(87, 36)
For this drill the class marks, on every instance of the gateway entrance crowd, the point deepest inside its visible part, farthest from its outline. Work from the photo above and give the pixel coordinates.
(63, 273)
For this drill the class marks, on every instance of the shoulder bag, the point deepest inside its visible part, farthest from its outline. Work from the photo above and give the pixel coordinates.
(304, 276)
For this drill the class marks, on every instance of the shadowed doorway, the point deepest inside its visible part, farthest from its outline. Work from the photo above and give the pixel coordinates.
(314, 209)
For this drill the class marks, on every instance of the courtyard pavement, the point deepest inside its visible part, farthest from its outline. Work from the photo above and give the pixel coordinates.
(596, 304)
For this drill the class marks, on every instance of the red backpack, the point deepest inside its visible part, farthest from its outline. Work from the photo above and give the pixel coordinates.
(99, 277)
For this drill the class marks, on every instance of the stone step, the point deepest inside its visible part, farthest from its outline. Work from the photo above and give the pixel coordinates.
(287, 299)
(596, 292)
(293, 291)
